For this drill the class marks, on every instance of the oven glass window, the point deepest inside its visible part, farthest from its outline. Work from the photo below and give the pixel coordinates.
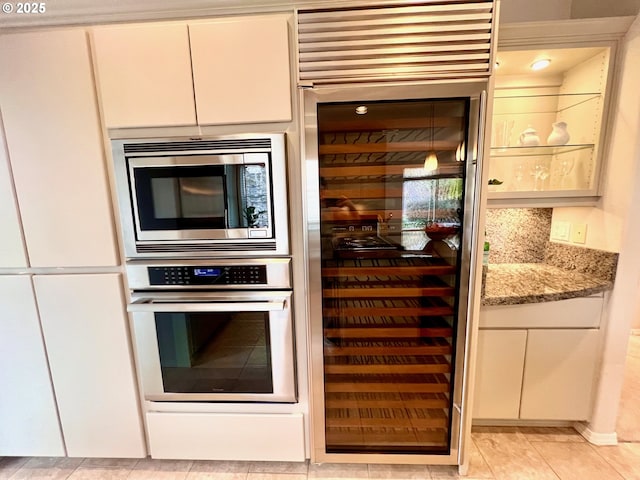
(210, 352)
(202, 197)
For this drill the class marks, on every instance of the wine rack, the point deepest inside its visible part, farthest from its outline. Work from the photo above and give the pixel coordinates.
(389, 309)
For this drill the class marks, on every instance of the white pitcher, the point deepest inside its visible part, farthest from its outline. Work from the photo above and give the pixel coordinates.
(559, 134)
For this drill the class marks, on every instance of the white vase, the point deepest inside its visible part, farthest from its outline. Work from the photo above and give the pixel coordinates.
(559, 134)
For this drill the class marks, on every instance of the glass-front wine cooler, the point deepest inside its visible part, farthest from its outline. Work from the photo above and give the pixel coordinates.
(391, 187)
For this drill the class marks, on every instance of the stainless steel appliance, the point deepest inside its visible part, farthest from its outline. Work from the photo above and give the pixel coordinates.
(195, 197)
(214, 330)
(392, 209)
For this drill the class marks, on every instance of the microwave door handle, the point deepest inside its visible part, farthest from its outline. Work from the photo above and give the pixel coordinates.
(147, 305)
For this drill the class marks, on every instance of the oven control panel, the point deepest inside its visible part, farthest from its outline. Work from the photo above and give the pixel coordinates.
(208, 275)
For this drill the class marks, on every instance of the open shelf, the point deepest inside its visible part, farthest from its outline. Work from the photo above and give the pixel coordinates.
(506, 104)
(540, 150)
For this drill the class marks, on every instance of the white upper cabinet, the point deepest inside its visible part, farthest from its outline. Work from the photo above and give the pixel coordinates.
(144, 75)
(228, 71)
(48, 102)
(28, 417)
(241, 70)
(12, 254)
(86, 332)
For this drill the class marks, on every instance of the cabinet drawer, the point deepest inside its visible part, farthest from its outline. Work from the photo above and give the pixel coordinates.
(226, 436)
(573, 313)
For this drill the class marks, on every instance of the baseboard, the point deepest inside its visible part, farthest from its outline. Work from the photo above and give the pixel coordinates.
(521, 423)
(596, 438)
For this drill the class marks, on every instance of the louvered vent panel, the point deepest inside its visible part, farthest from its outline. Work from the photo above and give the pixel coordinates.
(242, 146)
(437, 39)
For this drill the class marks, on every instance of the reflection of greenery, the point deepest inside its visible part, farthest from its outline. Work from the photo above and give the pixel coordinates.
(252, 216)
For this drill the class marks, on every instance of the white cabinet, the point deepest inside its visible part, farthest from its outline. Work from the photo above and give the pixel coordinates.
(54, 140)
(529, 106)
(28, 416)
(559, 374)
(230, 71)
(86, 334)
(144, 75)
(241, 70)
(12, 253)
(500, 363)
(537, 361)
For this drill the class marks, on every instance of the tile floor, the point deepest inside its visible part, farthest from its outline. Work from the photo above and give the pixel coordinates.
(500, 453)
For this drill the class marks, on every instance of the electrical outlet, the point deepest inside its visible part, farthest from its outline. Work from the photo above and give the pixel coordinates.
(579, 233)
(560, 231)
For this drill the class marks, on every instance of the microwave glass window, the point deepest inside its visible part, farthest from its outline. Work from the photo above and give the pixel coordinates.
(211, 352)
(190, 197)
(202, 197)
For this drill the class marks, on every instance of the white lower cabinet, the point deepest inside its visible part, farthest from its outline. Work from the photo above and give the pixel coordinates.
(85, 330)
(559, 374)
(499, 373)
(528, 371)
(28, 417)
(226, 436)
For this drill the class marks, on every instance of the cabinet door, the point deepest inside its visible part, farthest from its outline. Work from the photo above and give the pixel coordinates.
(55, 147)
(559, 374)
(241, 70)
(12, 254)
(500, 362)
(144, 75)
(85, 330)
(28, 416)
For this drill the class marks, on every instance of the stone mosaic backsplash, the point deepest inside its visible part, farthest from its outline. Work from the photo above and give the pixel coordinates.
(518, 235)
(521, 236)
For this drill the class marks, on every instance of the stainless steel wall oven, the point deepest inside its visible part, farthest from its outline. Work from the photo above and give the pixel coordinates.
(214, 330)
(211, 196)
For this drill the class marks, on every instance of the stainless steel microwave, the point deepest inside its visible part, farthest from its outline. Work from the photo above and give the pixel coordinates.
(210, 196)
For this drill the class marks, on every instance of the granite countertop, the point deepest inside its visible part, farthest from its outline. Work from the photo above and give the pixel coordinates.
(517, 283)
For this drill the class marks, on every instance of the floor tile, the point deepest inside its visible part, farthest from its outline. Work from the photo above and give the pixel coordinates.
(10, 465)
(279, 467)
(276, 476)
(338, 470)
(91, 472)
(576, 461)
(478, 466)
(219, 466)
(624, 457)
(398, 472)
(510, 456)
(551, 434)
(47, 468)
(149, 469)
(111, 462)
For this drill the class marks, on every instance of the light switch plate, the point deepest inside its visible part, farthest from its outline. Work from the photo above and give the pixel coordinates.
(579, 233)
(560, 231)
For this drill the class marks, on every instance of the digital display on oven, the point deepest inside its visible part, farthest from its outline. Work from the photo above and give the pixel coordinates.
(207, 272)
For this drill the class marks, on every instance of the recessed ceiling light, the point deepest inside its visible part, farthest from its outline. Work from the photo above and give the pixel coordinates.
(362, 109)
(540, 64)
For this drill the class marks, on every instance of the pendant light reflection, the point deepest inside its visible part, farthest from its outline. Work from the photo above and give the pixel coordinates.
(460, 153)
(431, 161)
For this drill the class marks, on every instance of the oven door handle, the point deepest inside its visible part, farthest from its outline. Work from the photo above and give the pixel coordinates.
(153, 305)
